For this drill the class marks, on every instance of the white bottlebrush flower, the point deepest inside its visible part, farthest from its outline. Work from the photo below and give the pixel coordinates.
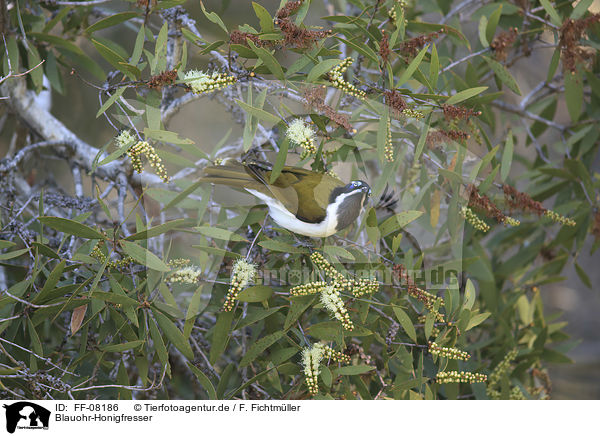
(124, 139)
(243, 272)
(298, 132)
(330, 298)
(187, 275)
(202, 82)
(311, 359)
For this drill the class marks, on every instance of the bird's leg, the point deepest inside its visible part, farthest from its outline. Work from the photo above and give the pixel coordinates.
(304, 241)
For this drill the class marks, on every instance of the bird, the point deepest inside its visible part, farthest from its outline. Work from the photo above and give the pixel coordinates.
(302, 201)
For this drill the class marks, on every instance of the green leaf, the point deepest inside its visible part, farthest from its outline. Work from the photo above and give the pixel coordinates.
(144, 256)
(218, 233)
(554, 17)
(265, 19)
(174, 334)
(490, 29)
(434, 68)
(256, 316)
(13, 254)
(268, 59)
(71, 227)
(321, 68)
(259, 347)
(115, 59)
(581, 8)
(353, 370)
(274, 245)
(255, 294)
(220, 335)
(503, 74)
(507, 157)
(297, 308)
(585, 279)
(412, 67)
(111, 20)
(159, 345)
(553, 64)
(399, 221)
(119, 348)
(466, 94)
(166, 136)
(214, 18)
(405, 322)
(115, 298)
(6, 244)
(475, 320)
(333, 250)
(483, 24)
(422, 138)
(470, 295)
(259, 113)
(574, 94)
(158, 230)
(361, 48)
(280, 161)
(109, 102)
(204, 381)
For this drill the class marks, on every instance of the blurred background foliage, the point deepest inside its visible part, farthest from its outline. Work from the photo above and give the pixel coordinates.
(464, 116)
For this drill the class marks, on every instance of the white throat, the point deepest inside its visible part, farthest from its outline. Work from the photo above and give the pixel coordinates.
(288, 220)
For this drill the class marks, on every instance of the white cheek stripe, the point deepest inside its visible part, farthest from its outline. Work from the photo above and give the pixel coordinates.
(288, 220)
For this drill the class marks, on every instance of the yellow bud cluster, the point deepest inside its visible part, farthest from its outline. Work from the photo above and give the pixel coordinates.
(187, 275)
(144, 148)
(363, 287)
(330, 353)
(411, 113)
(201, 82)
(459, 376)
(559, 218)
(311, 358)
(511, 221)
(392, 11)
(450, 353)
(501, 369)
(308, 288)
(333, 174)
(330, 298)
(326, 267)
(124, 139)
(473, 219)
(178, 263)
(336, 77)
(389, 148)
(97, 254)
(243, 272)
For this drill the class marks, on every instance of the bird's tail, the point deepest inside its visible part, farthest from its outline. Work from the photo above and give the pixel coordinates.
(230, 173)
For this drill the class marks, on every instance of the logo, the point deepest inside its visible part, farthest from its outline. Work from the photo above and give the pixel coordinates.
(26, 415)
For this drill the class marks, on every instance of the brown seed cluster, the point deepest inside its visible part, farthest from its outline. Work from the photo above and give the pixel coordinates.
(315, 98)
(395, 101)
(596, 226)
(412, 46)
(571, 33)
(452, 112)
(241, 38)
(439, 136)
(524, 202)
(384, 47)
(425, 297)
(502, 42)
(164, 78)
(483, 203)
(295, 35)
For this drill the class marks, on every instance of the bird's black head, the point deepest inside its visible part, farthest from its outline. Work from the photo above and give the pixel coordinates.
(351, 199)
(358, 185)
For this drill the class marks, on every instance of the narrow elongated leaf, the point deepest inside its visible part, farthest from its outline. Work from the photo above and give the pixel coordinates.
(412, 67)
(258, 113)
(466, 94)
(503, 74)
(173, 334)
(259, 346)
(214, 18)
(158, 230)
(507, 157)
(119, 348)
(268, 59)
(220, 335)
(218, 233)
(255, 294)
(554, 17)
(204, 381)
(405, 322)
(321, 68)
(111, 20)
(490, 29)
(144, 256)
(71, 227)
